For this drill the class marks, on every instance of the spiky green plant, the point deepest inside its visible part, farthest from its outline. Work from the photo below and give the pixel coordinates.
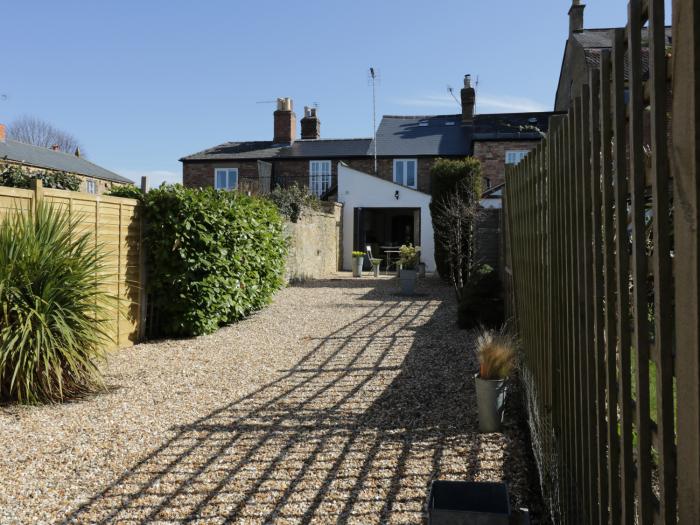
(54, 311)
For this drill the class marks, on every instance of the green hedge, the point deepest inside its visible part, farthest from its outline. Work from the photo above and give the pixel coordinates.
(446, 176)
(16, 177)
(213, 258)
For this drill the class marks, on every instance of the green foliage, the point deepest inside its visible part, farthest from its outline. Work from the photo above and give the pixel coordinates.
(408, 257)
(481, 303)
(214, 257)
(15, 177)
(447, 177)
(126, 190)
(358, 254)
(53, 310)
(292, 201)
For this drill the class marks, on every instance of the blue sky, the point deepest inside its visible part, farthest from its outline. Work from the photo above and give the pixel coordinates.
(143, 83)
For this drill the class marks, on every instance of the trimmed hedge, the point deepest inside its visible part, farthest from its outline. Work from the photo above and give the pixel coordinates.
(125, 190)
(213, 258)
(446, 176)
(16, 177)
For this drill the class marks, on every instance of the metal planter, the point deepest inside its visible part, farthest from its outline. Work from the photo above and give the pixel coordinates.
(468, 503)
(357, 263)
(408, 281)
(490, 400)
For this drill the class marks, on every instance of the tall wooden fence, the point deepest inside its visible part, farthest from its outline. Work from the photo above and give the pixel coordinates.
(602, 265)
(115, 223)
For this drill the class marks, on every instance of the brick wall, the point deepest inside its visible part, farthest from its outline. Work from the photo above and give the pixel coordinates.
(289, 171)
(492, 155)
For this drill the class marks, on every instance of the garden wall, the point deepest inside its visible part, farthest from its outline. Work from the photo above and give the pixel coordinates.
(315, 243)
(115, 223)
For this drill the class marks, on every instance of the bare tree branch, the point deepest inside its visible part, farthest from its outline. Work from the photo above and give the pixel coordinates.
(32, 130)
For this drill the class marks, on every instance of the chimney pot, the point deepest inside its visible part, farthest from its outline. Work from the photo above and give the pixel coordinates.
(310, 124)
(285, 122)
(468, 95)
(3, 135)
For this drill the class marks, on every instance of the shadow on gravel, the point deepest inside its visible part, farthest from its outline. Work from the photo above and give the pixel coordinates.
(353, 433)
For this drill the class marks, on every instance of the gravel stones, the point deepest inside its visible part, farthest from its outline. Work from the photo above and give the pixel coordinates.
(338, 403)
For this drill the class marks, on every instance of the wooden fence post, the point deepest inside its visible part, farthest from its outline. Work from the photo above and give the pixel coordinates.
(37, 186)
(685, 162)
(143, 275)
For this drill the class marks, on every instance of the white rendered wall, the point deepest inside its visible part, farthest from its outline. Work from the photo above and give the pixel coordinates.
(360, 190)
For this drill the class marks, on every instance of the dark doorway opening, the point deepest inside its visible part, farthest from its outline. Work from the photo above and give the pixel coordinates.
(384, 230)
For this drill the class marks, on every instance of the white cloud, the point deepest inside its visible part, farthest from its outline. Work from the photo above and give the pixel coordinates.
(155, 177)
(485, 103)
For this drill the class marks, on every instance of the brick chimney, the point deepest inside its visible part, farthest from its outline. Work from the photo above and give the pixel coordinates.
(3, 135)
(576, 16)
(285, 122)
(468, 100)
(310, 125)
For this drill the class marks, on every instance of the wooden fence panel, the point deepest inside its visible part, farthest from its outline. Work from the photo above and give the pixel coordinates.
(604, 263)
(115, 224)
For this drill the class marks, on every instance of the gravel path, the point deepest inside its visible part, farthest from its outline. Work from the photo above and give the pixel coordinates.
(338, 403)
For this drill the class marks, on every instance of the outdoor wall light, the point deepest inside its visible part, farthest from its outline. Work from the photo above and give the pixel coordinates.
(396, 194)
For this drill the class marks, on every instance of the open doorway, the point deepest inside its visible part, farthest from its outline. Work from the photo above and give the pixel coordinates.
(385, 230)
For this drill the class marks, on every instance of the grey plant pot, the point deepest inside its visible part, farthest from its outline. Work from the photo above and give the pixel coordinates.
(357, 263)
(408, 281)
(490, 399)
(376, 270)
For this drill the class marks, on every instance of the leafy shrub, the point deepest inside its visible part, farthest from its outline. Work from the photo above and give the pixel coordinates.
(292, 201)
(452, 181)
(15, 177)
(481, 303)
(53, 322)
(408, 257)
(496, 352)
(214, 257)
(126, 190)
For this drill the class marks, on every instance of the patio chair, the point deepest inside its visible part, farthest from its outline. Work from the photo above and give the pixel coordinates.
(372, 260)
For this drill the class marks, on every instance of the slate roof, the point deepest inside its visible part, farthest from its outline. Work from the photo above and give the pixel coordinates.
(254, 150)
(397, 136)
(55, 160)
(511, 126)
(594, 41)
(431, 135)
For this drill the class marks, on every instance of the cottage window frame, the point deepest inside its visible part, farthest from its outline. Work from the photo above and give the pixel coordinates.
(91, 186)
(400, 177)
(320, 176)
(227, 173)
(514, 156)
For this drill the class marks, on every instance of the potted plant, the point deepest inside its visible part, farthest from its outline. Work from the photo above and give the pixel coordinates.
(408, 261)
(496, 361)
(376, 263)
(358, 259)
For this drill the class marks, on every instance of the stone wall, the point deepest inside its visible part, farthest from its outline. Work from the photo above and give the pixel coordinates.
(492, 155)
(315, 243)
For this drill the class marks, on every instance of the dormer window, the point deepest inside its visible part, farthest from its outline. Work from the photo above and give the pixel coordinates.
(406, 172)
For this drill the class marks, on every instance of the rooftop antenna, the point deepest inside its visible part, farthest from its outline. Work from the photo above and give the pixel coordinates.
(451, 91)
(373, 79)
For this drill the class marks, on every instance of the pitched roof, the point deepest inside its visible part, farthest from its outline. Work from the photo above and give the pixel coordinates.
(603, 38)
(511, 126)
(299, 149)
(55, 160)
(423, 135)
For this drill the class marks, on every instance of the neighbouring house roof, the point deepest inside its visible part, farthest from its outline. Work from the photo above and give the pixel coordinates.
(316, 148)
(426, 135)
(593, 41)
(511, 126)
(430, 135)
(45, 158)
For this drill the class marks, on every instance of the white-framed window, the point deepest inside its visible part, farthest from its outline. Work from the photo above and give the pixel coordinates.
(91, 186)
(406, 172)
(226, 178)
(515, 156)
(319, 176)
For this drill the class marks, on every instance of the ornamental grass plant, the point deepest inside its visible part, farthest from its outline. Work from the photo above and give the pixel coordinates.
(53, 307)
(496, 352)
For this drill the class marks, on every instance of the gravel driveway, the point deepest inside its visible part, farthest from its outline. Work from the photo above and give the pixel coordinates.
(337, 404)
